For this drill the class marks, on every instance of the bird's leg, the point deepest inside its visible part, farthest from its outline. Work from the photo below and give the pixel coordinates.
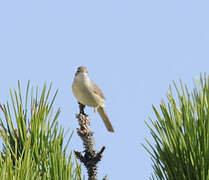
(81, 107)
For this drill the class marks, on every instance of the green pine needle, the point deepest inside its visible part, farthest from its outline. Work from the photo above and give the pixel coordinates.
(33, 141)
(181, 134)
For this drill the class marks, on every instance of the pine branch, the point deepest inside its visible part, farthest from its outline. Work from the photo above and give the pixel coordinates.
(90, 158)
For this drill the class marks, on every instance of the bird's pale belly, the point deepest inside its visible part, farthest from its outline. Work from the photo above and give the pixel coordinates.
(85, 97)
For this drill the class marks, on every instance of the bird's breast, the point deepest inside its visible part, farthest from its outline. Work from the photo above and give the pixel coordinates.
(82, 90)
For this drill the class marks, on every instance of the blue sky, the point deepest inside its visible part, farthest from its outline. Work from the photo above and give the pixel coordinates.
(133, 51)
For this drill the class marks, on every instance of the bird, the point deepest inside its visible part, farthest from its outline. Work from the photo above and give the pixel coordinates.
(88, 94)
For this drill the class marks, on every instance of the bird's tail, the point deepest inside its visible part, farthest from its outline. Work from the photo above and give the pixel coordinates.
(106, 120)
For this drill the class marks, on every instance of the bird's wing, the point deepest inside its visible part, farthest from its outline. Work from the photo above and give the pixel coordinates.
(97, 91)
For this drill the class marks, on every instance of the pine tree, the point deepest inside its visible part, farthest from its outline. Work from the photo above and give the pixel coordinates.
(33, 141)
(181, 134)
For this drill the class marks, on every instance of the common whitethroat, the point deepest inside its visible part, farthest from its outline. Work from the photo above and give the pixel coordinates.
(87, 93)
